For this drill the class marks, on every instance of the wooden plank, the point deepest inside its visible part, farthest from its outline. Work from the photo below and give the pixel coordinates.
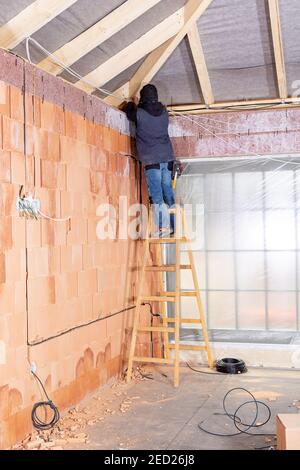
(192, 11)
(30, 20)
(185, 320)
(167, 240)
(198, 298)
(178, 218)
(278, 47)
(189, 347)
(156, 329)
(155, 360)
(157, 298)
(182, 294)
(200, 64)
(133, 53)
(234, 106)
(167, 268)
(97, 34)
(137, 311)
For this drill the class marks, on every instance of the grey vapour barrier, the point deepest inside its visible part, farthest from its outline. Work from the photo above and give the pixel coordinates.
(235, 34)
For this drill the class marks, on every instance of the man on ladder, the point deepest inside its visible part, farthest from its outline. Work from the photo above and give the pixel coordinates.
(154, 150)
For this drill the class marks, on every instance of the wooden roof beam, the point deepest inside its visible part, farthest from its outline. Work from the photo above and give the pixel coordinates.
(30, 20)
(200, 64)
(278, 47)
(97, 34)
(132, 53)
(153, 63)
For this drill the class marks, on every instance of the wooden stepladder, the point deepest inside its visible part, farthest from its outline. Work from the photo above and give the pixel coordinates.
(180, 237)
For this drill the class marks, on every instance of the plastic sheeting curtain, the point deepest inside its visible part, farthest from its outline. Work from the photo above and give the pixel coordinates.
(245, 215)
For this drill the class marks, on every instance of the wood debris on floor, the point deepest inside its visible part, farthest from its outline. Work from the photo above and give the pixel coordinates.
(72, 428)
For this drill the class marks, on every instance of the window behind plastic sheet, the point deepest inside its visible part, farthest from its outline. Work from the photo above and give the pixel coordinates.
(247, 214)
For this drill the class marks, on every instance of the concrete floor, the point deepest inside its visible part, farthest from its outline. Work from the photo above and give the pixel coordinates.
(162, 417)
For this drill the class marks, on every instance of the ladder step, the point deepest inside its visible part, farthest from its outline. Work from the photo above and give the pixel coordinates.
(156, 360)
(168, 240)
(189, 347)
(158, 329)
(191, 293)
(167, 267)
(157, 298)
(184, 320)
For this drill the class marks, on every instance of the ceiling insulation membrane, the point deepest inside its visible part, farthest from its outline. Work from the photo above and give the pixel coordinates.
(235, 35)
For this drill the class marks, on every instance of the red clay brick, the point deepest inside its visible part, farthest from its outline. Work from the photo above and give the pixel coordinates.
(5, 169)
(8, 193)
(54, 233)
(71, 258)
(2, 268)
(53, 175)
(38, 262)
(75, 126)
(33, 233)
(78, 178)
(52, 117)
(41, 291)
(13, 135)
(6, 298)
(78, 231)
(18, 168)
(66, 286)
(15, 265)
(4, 99)
(87, 282)
(5, 233)
(16, 104)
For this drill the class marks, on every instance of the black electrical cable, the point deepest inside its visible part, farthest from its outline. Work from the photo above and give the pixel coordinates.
(202, 371)
(44, 340)
(230, 365)
(151, 309)
(37, 422)
(238, 421)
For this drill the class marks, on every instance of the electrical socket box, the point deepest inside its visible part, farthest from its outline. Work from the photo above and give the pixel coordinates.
(28, 206)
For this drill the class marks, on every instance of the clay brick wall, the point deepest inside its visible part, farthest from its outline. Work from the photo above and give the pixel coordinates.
(57, 277)
(240, 133)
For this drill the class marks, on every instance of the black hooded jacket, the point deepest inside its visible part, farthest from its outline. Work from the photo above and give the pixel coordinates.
(152, 121)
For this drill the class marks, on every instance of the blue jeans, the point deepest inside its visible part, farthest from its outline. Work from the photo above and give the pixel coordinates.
(159, 181)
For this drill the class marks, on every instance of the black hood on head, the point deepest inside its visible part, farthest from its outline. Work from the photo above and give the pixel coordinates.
(149, 100)
(149, 94)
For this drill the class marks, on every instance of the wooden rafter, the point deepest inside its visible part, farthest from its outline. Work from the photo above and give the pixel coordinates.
(227, 106)
(278, 47)
(30, 20)
(132, 53)
(200, 64)
(97, 34)
(192, 11)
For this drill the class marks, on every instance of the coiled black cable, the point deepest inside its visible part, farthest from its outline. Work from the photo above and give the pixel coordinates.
(37, 422)
(238, 423)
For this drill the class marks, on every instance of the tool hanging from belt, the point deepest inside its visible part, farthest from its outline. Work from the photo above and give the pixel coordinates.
(176, 172)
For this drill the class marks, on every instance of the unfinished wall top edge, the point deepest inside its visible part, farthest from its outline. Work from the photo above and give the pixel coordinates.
(17, 72)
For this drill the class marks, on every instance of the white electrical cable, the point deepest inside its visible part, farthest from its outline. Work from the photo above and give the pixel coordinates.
(226, 142)
(66, 68)
(45, 216)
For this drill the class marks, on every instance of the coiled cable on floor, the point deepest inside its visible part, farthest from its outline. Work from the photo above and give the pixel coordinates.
(237, 421)
(37, 422)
